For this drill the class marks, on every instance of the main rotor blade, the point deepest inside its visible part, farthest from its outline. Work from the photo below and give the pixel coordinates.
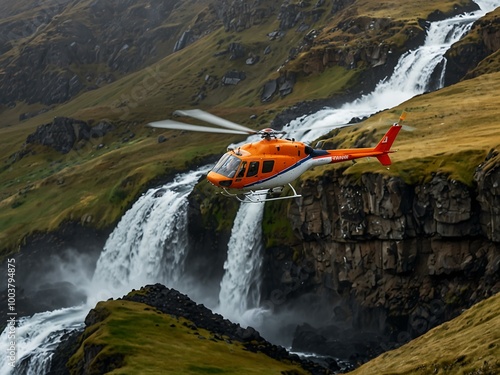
(175, 125)
(335, 126)
(208, 117)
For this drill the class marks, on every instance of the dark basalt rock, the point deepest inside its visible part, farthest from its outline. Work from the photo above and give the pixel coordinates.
(170, 301)
(61, 134)
(390, 258)
(185, 39)
(64, 134)
(233, 77)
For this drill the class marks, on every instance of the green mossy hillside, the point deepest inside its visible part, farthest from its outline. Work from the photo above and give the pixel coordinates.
(468, 344)
(134, 338)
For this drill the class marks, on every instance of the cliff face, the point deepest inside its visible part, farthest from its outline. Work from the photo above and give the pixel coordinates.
(414, 254)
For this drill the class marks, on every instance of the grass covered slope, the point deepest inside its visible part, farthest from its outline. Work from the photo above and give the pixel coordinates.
(129, 337)
(452, 131)
(176, 337)
(136, 339)
(468, 344)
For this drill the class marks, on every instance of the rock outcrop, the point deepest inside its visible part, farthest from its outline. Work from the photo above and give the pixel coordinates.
(64, 134)
(388, 257)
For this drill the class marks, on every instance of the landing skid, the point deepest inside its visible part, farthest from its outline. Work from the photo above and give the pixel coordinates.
(259, 196)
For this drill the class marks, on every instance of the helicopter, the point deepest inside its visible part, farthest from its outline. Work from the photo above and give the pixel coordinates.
(258, 171)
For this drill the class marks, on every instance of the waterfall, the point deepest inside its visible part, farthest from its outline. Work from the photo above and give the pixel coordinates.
(147, 246)
(37, 337)
(150, 241)
(240, 285)
(412, 76)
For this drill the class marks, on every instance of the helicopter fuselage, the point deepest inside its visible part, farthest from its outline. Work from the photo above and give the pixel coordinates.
(265, 164)
(274, 162)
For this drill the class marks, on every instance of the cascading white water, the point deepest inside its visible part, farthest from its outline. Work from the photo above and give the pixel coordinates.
(36, 339)
(150, 241)
(411, 77)
(147, 246)
(240, 289)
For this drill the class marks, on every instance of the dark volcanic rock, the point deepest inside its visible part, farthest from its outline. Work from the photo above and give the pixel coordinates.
(233, 77)
(64, 134)
(61, 134)
(185, 39)
(269, 90)
(170, 301)
(389, 257)
(283, 84)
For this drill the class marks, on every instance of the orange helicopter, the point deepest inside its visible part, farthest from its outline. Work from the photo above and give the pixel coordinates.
(260, 170)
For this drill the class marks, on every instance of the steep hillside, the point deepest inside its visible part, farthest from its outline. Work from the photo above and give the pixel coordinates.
(201, 74)
(53, 52)
(159, 330)
(468, 344)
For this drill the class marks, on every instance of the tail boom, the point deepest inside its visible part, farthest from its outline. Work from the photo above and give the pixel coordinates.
(381, 151)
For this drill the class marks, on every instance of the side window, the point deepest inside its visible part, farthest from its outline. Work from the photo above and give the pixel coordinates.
(267, 166)
(243, 168)
(253, 168)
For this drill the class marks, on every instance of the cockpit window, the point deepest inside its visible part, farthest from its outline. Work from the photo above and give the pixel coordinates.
(227, 166)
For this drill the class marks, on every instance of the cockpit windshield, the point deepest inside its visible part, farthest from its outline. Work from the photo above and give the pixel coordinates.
(227, 165)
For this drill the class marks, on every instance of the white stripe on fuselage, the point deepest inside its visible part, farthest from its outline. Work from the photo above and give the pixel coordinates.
(290, 174)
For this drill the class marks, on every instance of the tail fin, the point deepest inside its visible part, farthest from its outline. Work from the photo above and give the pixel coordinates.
(388, 139)
(384, 159)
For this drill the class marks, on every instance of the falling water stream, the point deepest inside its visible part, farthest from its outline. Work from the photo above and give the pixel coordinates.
(147, 246)
(239, 291)
(413, 75)
(150, 242)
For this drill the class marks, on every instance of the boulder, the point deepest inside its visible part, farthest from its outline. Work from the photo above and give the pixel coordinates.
(64, 134)
(233, 77)
(61, 134)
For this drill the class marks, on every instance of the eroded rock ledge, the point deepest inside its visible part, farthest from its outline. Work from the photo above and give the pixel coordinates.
(388, 257)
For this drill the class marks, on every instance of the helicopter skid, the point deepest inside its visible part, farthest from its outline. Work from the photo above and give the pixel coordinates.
(259, 196)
